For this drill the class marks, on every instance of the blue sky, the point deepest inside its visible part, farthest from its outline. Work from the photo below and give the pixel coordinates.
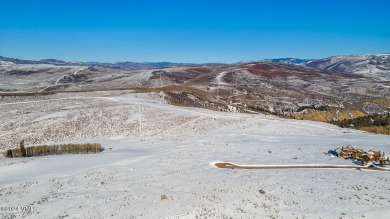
(192, 31)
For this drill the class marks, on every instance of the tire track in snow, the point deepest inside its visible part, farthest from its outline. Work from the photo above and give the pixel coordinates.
(227, 165)
(62, 77)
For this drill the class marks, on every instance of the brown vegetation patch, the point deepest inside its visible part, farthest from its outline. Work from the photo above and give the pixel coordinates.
(327, 116)
(180, 77)
(203, 70)
(376, 129)
(267, 72)
(382, 68)
(378, 101)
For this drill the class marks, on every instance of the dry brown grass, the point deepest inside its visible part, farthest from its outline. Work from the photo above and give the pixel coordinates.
(327, 116)
(268, 73)
(376, 129)
(381, 101)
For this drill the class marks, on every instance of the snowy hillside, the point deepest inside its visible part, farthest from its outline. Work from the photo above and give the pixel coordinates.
(366, 65)
(163, 147)
(289, 60)
(160, 163)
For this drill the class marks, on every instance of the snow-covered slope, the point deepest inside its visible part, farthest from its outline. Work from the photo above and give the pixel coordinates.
(289, 60)
(161, 168)
(367, 65)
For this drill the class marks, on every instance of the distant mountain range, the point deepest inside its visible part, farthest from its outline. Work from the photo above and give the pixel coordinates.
(138, 65)
(367, 65)
(116, 65)
(6, 60)
(377, 65)
(289, 60)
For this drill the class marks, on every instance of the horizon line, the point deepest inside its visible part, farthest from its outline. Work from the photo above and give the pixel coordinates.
(114, 62)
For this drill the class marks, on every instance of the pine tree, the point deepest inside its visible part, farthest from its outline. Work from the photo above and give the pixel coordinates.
(9, 153)
(22, 149)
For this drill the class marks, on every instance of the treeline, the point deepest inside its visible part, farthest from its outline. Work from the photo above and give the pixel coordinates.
(278, 114)
(364, 121)
(43, 150)
(265, 111)
(260, 109)
(377, 123)
(313, 107)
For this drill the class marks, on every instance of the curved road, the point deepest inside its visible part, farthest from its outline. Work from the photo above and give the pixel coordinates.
(227, 165)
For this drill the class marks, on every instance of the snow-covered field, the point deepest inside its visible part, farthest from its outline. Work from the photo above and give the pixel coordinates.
(159, 165)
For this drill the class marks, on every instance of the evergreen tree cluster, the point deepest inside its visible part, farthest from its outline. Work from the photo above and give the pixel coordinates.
(313, 107)
(377, 123)
(43, 150)
(369, 120)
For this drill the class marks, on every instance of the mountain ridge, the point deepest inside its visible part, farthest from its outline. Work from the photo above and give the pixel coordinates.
(370, 65)
(129, 65)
